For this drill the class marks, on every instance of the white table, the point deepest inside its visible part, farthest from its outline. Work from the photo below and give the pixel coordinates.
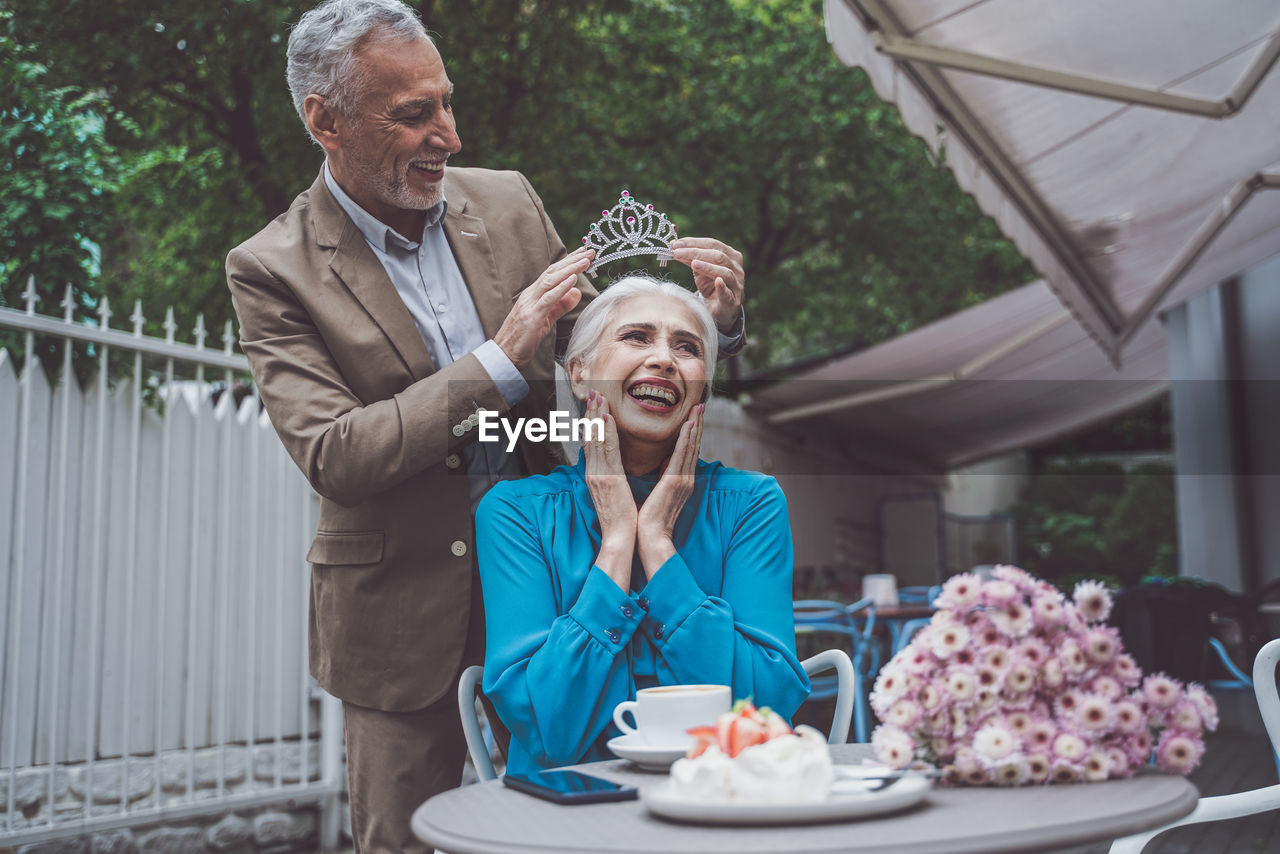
(489, 818)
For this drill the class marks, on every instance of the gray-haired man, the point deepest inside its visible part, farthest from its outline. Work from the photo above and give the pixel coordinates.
(378, 318)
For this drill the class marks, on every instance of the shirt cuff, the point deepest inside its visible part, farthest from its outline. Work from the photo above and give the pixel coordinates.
(670, 597)
(511, 385)
(731, 343)
(605, 612)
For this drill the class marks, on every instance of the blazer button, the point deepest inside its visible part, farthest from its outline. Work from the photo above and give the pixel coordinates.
(613, 635)
(459, 548)
(658, 632)
(627, 610)
(453, 461)
(458, 430)
(643, 602)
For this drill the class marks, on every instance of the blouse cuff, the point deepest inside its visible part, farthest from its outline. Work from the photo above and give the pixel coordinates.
(671, 596)
(605, 612)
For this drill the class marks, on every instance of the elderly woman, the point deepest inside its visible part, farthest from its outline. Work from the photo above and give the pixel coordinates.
(641, 565)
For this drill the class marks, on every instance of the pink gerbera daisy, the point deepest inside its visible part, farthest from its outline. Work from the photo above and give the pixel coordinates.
(994, 743)
(998, 594)
(1069, 746)
(1161, 691)
(1095, 714)
(1047, 610)
(1037, 767)
(1204, 704)
(1093, 599)
(1101, 645)
(1021, 678)
(1178, 753)
(904, 714)
(1097, 765)
(1126, 670)
(1013, 620)
(1128, 716)
(1105, 686)
(893, 746)
(960, 592)
(1019, 578)
(947, 639)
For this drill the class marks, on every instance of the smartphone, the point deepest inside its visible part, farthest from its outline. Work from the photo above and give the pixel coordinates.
(569, 787)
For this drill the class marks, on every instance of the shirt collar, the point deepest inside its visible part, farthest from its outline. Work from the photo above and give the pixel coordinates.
(380, 235)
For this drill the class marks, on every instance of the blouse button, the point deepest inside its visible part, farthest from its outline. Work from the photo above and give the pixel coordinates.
(657, 633)
(613, 635)
(627, 610)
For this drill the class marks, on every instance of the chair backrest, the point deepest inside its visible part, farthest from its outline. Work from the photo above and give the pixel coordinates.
(1264, 687)
(845, 694)
(478, 749)
(476, 746)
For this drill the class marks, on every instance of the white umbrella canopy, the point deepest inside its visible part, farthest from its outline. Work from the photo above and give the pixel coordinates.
(1135, 196)
(1011, 372)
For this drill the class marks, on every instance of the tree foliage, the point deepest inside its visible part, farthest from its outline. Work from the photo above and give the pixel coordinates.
(734, 117)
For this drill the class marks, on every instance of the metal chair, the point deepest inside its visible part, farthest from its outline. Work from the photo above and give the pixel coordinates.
(855, 624)
(478, 746)
(1240, 804)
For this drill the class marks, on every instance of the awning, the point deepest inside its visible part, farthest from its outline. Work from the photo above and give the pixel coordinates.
(1125, 147)
(1000, 376)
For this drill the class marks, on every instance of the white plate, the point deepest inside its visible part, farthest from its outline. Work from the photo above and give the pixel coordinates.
(848, 805)
(644, 754)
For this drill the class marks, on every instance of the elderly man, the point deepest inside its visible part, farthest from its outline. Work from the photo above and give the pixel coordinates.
(392, 301)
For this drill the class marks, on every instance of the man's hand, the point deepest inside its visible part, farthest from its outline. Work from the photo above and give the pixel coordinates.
(717, 271)
(540, 305)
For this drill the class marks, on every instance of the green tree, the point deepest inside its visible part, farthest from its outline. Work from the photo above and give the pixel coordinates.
(734, 117)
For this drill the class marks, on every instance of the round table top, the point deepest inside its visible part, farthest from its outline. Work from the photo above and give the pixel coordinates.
(489, 818)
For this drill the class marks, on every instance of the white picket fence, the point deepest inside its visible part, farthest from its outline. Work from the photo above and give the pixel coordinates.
(153, 603)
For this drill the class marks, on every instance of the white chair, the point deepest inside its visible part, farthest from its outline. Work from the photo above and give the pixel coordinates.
(478, 745)
(1240, 804)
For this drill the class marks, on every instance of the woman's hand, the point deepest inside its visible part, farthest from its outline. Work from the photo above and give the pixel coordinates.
(615, 508)
(657, 518)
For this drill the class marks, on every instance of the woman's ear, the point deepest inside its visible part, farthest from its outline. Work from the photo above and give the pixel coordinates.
(577, 381)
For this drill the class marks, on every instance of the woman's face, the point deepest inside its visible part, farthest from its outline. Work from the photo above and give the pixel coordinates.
(650, 364)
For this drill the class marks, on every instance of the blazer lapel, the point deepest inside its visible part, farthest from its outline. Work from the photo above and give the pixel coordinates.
(471, 249)
(360, 270)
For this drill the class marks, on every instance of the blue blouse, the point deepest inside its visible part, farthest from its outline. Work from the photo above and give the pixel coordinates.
(565, 644)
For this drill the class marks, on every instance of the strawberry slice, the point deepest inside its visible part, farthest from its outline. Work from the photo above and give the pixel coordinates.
(704, 737)
(745, 732)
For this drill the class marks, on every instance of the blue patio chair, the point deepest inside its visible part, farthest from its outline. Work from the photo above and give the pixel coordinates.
(907, 631)
(1238, 681)
(480, 744)
(1240, 804)
(918, 595)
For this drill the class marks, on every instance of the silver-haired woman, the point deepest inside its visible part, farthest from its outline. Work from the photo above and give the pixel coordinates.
(641, 565)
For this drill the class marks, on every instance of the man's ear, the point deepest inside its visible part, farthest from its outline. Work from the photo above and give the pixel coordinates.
(321, 121)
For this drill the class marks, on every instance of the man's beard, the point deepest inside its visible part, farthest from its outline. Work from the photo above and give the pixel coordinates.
(394, 189)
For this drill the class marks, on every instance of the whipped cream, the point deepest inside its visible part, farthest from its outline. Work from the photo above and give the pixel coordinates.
(793, 768)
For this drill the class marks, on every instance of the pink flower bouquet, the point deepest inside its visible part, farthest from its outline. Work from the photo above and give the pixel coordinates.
(1012, 684)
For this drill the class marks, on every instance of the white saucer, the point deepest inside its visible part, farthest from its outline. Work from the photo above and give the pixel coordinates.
(647, 756)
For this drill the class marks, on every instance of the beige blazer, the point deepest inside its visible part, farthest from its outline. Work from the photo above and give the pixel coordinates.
(353, 394)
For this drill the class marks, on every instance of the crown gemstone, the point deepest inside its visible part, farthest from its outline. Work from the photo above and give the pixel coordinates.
(629, 228)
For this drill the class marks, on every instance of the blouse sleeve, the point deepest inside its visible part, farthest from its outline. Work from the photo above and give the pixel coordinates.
(553, 678)
(745, 637)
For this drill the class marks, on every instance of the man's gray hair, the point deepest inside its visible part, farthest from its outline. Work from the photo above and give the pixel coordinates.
(591, 324)
(323, 45)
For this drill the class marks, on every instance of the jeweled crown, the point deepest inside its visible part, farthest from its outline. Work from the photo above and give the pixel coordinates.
(629, 228)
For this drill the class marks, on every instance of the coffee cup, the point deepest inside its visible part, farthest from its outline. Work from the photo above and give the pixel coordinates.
(665, 713)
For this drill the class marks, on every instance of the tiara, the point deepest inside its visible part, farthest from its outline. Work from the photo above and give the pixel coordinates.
(629, 228)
